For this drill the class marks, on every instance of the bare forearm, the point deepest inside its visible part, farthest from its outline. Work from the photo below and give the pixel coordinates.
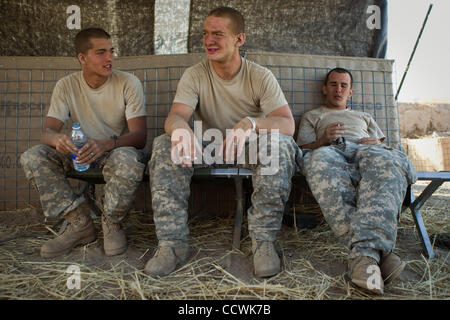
(136, 139)
(314, 145)
(173, 122)
(50, 137)
(285, 125)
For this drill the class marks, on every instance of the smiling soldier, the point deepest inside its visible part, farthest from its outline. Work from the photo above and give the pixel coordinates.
(236, 96)
(109, 104)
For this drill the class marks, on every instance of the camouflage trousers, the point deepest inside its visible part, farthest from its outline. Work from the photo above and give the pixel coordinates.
(170, 188)
(122, 169)
(360, 190)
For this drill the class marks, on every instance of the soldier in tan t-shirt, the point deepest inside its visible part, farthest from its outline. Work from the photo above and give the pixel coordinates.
(109, 104)
(358, 181)
(355, 125)
(235, 99)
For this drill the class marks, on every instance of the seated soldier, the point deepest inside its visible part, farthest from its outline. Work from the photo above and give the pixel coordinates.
(235, 98)
(358, 181)
(109, 104)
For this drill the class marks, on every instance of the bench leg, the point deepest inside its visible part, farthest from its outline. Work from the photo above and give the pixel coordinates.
(239, 212)
(426, 193)
(89, 195)
(415, 205)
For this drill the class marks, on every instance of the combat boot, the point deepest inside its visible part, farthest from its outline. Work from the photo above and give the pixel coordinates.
(365, 273)
(79, 231)
(266, 261)
(166, 260)
(114, 239)
(391, 267)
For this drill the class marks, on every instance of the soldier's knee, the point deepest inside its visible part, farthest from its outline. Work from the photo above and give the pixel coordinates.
(161, 148)
(34, 155)
(161, 142)
(125, 155)
(124, 162)
(278, 143)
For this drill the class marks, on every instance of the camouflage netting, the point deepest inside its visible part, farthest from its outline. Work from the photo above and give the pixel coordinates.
(326, 27)
(39, 27)
(143, 27)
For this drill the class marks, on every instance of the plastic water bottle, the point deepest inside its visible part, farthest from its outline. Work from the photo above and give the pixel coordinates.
(78, 139)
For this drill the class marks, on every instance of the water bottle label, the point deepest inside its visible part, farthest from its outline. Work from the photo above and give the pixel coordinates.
(78, 140)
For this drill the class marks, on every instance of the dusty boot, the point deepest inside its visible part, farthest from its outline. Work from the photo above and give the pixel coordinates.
(79, 231)
(391, 267)
(114, 239)
(166, 260)
(266, 261)
(365, 273)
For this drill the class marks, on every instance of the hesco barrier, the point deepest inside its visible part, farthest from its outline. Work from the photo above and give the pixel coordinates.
(26, 85)
(428, 154)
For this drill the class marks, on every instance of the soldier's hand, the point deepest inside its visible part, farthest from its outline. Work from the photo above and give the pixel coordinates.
(91, 151)
(185, 147)
(65, 145)
(234, 142)
(332, 132)
(369, 141)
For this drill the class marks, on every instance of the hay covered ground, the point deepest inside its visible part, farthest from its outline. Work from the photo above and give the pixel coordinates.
(314, 262)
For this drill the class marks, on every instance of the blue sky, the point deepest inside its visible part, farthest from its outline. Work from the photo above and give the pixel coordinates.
(426, 79)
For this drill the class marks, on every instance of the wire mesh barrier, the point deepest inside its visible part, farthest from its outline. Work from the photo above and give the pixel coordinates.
(428, 154)
(25, 95)
(373, 94)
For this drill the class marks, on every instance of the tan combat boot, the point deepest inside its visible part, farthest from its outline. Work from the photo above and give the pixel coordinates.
(114, 239)
(391, 267)
(166, 260)
(79, 231)
(266, 261)
(365, 273)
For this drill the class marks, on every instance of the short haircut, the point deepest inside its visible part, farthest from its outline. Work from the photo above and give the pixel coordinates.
(339, 70)
(237, 24)
(83, 39)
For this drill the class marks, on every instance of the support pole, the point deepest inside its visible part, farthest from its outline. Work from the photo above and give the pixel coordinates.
(414, 51)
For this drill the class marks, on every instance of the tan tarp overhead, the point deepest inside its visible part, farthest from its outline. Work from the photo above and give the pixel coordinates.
(26, 84)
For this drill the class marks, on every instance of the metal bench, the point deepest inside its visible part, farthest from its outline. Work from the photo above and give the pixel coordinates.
(414, 204)
(94, 176)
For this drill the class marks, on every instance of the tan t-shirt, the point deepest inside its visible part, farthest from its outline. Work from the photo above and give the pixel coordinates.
(357, 124)
(102, 112)
(219, 103)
